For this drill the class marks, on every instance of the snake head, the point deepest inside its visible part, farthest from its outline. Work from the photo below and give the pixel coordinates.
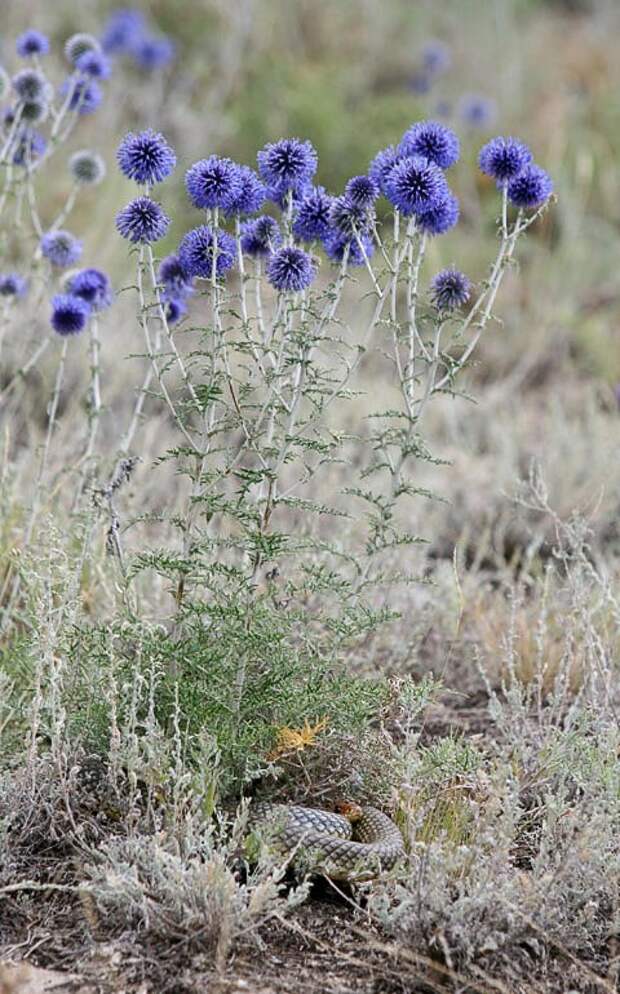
(350, 810)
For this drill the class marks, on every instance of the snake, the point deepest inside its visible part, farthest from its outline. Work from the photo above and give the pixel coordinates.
(352, 844)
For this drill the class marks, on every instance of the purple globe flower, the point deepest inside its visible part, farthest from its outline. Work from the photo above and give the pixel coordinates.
(196, 252)
(174, 277)
(250, 193)
(94, 64)
(142, 221)
(312, 215)
(12, 285)
(69, 314)
(123, 29)
(29, 146)
(347, 219)
(288, 164)
(34, 112)
(290, 268)
(450, 289)
(260, 236)
(531, 188)
(32, 42)
(87, 167)
(362, 191)
(175, 308)
(146, 157)
(79, 43)
(61, 248)
(477, 111)
(442, 215)
(212, 182)
(433, 141)
(93, 286)
(436, 57)
(504, 158)
(415, 184)
(30, 84)
(382, 165)
(85, 96)
(335, 246)
(153, 53)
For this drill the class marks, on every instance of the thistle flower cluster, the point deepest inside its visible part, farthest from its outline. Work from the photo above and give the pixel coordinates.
(411, 176)
(86, 292)
(128, 33)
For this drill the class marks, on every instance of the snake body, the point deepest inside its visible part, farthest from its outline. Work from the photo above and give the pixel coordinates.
(354, 846)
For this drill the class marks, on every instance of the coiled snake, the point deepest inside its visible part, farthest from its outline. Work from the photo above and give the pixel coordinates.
(355, 845)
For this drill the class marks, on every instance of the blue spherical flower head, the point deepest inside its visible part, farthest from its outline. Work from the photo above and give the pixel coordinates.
(442, 215)
(69, 314)
(382, 165)
(123, 29)
(362, 191)
(504, 158)
(450, 289)
(312, 215)
(29, 146)
(142, 221)
(93, 286)
(250, 194)
(348, 219)
(290, 269)
(415, 184)
(196, 252)
(335, 246)
(146, 157)
(433, 141)
(153, 53)
(87, 167)
(175, 308)
(94, 64)
(477, 111)
(30, 84)
(79, 43)
(174, 277)
(436, 57)
(12, 285)
(288, 164)
(212, 183)
(34, 112)
(260, 236)
(31, 43)
(531, 188)
(61, 248)
(85, 95)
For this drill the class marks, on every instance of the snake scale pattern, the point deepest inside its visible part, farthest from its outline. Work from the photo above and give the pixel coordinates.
(354, 846)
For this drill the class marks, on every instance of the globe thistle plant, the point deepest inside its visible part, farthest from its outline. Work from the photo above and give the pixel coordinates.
(30, 84)
(415, 184)
(123, 30)
(287, 165)
(151, 53)
(29, 146)
(78, 44)
(433, 141)
(261, 236)
(142, 221)
(70, 314)
(249, 195)
(12, 285)
(83, 96)
(531, 188)
(87, 168)
(504, 158)
(357, 251)
(382, 165)
(290, 269)
(213, 183)
(92, 286)
(61, 248)
(34, 112)
(348, 219)
(93, 64)
(440, 217)
(312, 215)
(173, 276)
(450, 289)
(32, 42)
(362, 191)
(197, 249)
(146, 158)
